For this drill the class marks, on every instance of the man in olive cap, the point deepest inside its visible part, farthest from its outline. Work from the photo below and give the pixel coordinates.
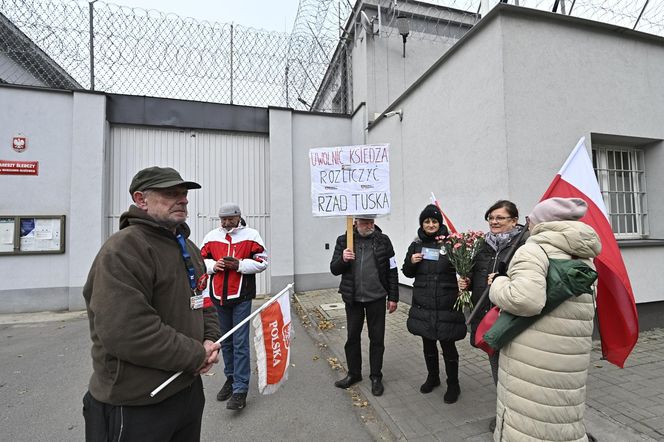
(149, 320)
(234, 254)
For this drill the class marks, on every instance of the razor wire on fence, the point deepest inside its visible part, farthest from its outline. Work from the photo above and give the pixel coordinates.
(72, 44)
(132, 51)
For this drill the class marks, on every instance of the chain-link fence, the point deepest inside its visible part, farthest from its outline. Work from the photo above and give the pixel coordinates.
(73, 44)
(433, 21)
(116, 49)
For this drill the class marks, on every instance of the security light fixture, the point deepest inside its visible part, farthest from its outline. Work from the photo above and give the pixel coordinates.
(398, 112)
(404, 29)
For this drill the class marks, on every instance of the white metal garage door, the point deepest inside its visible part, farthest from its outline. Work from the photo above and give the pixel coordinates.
(230, 166)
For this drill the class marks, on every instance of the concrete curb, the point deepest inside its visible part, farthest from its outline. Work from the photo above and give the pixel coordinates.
(37, 317)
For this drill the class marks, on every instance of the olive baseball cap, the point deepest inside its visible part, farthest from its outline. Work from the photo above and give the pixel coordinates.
(158, 178)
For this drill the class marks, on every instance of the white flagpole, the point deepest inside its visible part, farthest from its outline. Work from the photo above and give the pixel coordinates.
(230, 332)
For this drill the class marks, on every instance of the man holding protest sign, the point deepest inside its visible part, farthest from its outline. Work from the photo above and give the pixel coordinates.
(368, 276)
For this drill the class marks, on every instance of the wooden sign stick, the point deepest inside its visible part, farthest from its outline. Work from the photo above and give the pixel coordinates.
(349, 232)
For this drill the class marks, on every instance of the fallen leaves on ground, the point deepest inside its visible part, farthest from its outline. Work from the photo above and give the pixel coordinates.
(358, 401)
(323, 324)
(334, 363)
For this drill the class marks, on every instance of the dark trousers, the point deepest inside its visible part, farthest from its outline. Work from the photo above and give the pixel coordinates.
(176, 419)
(375, 314)
(450, 352)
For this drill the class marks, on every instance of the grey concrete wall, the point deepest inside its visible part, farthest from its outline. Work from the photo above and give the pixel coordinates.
(282, 258)
(444, 139)
(313, 234)
(389, 73)
(87, 187)
(564, 80)
(526, 87)
(655, 181)
(66, 135)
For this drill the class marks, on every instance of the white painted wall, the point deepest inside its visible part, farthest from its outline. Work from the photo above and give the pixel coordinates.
(66, 135)
(526, 87)
(311, 259)
(389, 73)
(443, 141)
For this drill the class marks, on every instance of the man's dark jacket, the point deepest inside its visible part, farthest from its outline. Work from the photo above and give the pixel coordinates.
(385, 263)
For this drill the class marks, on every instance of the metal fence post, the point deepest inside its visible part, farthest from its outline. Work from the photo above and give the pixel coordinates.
(642, 10)
(91, 9)
(286, 83)
(231, 63)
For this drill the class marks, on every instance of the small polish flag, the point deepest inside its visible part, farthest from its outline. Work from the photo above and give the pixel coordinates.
(272, 339)
(616, 309)
(446, 220)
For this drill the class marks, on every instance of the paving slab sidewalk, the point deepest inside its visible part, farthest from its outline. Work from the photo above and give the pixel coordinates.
(622, 404)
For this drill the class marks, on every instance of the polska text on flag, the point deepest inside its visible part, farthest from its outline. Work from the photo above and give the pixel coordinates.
(616, 309)
(272, 338)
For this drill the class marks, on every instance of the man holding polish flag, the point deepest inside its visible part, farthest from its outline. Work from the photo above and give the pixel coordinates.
(616, 309)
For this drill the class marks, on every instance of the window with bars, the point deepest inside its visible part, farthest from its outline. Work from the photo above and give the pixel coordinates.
(622, 180)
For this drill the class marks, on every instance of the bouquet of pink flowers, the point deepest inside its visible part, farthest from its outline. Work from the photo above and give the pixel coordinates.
(461, 249)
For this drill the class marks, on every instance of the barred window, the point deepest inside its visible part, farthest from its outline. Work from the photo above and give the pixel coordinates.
(622, 180)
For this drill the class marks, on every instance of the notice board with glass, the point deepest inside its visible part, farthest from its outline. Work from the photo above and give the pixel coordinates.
(32, 234)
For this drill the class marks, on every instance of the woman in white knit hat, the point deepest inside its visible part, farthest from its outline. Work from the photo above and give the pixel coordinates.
(542, 372)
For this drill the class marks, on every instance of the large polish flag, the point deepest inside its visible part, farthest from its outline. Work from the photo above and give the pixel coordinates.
(616, 309)
(446, 220)
(272, 339)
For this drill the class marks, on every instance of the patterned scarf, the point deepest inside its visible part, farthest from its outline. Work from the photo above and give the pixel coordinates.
(498, 241)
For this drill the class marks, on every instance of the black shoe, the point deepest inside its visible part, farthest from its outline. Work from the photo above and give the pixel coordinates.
(226, 391)
(432, 382)
(452, 393)
(377, 388)
(237, 402)
(347, 381)
(492, 425)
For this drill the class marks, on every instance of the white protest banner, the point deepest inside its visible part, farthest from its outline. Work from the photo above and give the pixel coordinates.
(350, 180)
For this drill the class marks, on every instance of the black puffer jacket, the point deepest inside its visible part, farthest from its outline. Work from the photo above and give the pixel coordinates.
(435, 290)
(385, 263)
(486, 261)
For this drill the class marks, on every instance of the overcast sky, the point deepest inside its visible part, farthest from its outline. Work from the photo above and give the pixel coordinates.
(272, 15)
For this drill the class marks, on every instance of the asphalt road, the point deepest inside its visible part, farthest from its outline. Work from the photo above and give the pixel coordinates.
(45, 366)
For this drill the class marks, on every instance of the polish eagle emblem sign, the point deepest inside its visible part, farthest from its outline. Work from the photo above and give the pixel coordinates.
(19, 143)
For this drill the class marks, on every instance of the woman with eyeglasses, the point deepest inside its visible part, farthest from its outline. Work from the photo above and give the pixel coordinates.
(504, 230)
(432, 315)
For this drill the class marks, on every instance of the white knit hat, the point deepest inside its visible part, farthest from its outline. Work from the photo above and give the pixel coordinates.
(558, 209)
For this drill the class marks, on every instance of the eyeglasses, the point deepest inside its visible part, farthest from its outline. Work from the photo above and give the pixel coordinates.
(499, 219)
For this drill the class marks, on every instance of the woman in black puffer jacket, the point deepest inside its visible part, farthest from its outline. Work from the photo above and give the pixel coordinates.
(504, 233)
(432, 315)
